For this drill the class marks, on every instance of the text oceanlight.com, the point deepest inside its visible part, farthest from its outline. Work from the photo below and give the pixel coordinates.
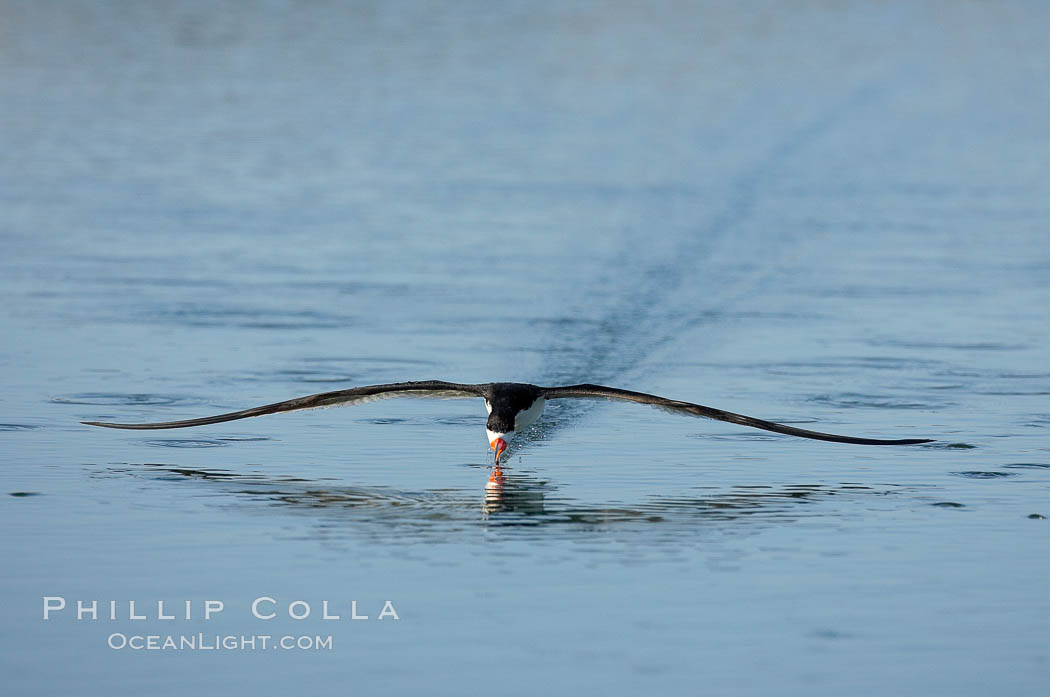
(216, 642)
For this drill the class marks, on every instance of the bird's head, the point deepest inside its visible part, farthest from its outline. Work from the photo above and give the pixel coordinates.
(499, 441)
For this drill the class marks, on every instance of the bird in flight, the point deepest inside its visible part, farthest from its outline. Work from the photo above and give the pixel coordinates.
(512, 406)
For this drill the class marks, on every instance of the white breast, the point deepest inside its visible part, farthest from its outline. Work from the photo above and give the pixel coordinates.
(527, 417)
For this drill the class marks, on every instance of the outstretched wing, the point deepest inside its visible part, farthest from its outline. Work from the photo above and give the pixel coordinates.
(355, 395)
(602, 392)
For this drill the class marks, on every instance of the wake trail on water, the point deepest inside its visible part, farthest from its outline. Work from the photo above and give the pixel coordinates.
(648, 301)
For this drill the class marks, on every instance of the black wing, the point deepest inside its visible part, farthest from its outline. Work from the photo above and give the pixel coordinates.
(602, 392)
(355, 395)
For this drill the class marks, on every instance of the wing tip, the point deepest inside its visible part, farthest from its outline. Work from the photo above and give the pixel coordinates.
(105, 424)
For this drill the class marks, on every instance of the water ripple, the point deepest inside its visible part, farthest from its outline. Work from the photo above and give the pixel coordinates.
(856, 400)
(125, 399)
(950, 345)
(245, 317)
(186, 443)
(308, 376)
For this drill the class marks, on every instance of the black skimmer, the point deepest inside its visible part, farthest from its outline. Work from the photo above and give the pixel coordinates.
(512, 406)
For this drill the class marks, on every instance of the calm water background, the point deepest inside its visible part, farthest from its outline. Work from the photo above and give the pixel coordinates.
(830, 214)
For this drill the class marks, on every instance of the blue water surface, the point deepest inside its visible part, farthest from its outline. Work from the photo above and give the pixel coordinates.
(833, 216)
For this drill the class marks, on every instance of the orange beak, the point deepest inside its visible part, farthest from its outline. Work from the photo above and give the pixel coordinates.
(499, 445)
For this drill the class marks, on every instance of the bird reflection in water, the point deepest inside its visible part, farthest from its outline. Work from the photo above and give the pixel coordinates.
(512, 493)
(509, 498)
